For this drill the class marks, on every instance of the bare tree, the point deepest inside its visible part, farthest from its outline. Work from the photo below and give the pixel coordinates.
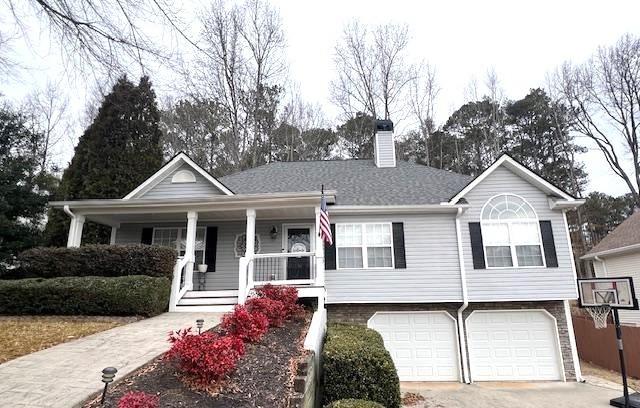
(47, 109)
(423, 90)
(102, 34)
(372, 70)
(604, 96)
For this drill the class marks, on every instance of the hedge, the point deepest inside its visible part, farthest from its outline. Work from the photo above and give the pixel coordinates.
(89, 295)
(356, 365)
(97, 260)
(354, 403)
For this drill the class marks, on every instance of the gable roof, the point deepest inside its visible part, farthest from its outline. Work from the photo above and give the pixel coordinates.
(177, 161)
(520, 170)
(357, 182)
(625, 236)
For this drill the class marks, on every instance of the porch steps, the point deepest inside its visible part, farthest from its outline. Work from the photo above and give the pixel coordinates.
(208, 301)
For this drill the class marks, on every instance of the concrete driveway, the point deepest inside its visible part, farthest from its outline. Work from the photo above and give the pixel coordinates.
(508, 395)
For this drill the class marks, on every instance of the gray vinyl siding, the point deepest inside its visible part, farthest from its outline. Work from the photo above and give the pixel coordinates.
(385, 149)
(623, 265)
(517, 283)
(226, 273)
(432, 273)
(165, 189)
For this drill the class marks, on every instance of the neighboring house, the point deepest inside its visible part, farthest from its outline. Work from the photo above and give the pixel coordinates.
(466, 279)
(618, 254)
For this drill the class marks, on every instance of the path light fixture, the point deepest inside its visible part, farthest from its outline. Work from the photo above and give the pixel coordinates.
(200, 323)
(108, 375)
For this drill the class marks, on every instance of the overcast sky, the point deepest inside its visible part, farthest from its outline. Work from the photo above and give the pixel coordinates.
(521, 41)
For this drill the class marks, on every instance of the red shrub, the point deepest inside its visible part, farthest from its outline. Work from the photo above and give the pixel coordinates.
(273, 309)
(138, 400)
(205, 358)
(247, 326)
(288, 295)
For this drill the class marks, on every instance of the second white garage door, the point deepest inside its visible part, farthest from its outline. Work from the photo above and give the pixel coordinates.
(513, 345)
(423, 345)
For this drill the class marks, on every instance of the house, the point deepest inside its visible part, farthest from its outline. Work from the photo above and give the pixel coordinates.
(466, 279)
(618, 254)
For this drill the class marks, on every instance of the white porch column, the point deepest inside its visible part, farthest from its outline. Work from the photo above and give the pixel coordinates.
(114, 231)
(75, 231)
(246, 265)
(319, 244)
(190, 246)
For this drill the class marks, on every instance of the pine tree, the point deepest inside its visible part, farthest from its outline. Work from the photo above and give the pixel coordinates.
(117, 152)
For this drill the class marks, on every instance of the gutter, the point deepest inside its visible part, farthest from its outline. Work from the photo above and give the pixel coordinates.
(614, 251)
(465, 302)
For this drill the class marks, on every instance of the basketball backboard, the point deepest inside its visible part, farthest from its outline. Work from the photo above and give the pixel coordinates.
(616, 292)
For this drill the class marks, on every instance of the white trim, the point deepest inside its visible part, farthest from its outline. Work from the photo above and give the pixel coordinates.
(571, 258)
(112, 239)
(285, 245)
(465, 302)
(455, 329)
(614, 251)
(517, 167)
(167, 168)
(396, 209)
(572, 341)
(365, 261)
(514, 257)
(555, 326)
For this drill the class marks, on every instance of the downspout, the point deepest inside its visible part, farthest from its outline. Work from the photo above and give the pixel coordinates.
(465, 302)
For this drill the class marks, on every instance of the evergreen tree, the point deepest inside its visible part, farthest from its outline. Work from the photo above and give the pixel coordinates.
(356, 136)
(24, 187)
(117, 152)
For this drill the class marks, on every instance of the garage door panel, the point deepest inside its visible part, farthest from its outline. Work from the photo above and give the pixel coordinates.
(423, 345)
(523, 346)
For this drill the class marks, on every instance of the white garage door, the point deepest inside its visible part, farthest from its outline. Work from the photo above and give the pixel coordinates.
(513, 345)
(423, 345)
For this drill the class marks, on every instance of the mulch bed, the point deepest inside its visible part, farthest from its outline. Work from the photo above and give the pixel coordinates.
(261, 379)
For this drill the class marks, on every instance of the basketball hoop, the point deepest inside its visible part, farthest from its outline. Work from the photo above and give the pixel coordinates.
(599, 315)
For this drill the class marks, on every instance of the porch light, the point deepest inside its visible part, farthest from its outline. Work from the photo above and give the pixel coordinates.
(108, 374)
(199, 324)
(274, 232)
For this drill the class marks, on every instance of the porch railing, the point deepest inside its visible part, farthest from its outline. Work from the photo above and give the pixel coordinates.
(286, 268)
(181, 281)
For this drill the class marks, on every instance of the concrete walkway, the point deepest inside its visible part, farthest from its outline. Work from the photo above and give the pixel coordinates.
(65, 375)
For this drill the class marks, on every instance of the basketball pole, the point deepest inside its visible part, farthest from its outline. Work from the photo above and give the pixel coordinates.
(623, 368)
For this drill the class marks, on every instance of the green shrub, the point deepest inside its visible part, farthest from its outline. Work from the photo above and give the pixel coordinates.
(97, 260)
(356, 365)
(88, 295)
(354, 403)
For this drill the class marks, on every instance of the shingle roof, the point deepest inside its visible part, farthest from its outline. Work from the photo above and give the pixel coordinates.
(357, 182)
(625, 234)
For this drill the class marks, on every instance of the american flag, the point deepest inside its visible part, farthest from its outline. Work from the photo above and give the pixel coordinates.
(325, 225)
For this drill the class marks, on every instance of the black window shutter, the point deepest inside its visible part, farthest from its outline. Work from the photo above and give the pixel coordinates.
(398, 245)
(549, 244)
(147, 236)
(330, 251)
(477, 248)
(210, 248)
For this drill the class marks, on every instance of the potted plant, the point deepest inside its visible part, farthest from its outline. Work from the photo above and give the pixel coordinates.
(202, 268)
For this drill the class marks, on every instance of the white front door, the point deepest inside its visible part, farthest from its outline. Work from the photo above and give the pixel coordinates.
(513, 345)
(423, 345)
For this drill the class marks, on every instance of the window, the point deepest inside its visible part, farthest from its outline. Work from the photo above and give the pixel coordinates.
(511, 233)
(364, 246)
(177, 238)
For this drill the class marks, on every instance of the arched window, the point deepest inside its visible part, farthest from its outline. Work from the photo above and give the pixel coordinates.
(511, 233)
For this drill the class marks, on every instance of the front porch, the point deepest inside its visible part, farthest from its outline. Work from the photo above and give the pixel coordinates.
(227, 246)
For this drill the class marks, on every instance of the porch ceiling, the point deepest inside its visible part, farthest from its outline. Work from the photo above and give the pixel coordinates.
(229, 215)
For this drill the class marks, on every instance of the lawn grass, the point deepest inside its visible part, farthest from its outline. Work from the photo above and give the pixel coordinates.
(610, 375)
(20, 335)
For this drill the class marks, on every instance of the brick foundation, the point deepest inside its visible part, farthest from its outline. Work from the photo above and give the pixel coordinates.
(360, 314)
